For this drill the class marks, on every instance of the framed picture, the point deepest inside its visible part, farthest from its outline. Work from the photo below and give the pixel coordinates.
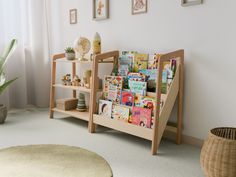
(139, 6)
(100, 9)
(73, 16)
(185, 3)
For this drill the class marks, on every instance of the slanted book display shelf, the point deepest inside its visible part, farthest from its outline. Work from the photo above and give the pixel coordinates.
(161, 113)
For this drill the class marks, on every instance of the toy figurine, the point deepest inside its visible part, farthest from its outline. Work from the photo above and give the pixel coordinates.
(66, 80)
(76, 81)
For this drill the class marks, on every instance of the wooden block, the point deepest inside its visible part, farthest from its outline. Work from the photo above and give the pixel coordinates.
(67, 104)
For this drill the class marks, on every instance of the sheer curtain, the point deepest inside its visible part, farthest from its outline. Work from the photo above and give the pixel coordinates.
(27, 21)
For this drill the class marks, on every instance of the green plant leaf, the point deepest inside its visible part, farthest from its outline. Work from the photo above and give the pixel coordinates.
(4, 86)
(7, 53)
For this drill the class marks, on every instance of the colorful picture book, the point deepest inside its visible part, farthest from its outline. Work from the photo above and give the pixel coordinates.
(137, 77)
(140, 62)
(121, 113)
(153, 61)
(125, 65)
(148, 102)
(151, 79)
(105, 108)
(127, 98)
(141, 116)
(138, 100)
(138, 87)
(112, 88)
(129, 55)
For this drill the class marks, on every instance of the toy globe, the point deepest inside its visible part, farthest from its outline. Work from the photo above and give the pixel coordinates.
(82, 46)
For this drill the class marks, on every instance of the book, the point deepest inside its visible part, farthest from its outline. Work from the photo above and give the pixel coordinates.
(121, 113)
(138, 87)
(151, 75)
(148, 102)
(127, 98)
(112, 88)
(129, 56)
(105, 108)
(136, 77)
(141, 116)
(153, 61)
(140, 62)
(164, 85)
(125, 65)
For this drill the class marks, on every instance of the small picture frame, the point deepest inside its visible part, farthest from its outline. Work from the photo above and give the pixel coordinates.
(186, 3)
(73, 16)
(139, 6)
(100, 9)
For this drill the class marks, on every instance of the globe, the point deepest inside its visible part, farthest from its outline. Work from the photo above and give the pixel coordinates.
(82, 46)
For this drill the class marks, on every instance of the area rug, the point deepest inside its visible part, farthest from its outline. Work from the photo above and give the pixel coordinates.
(52, 161)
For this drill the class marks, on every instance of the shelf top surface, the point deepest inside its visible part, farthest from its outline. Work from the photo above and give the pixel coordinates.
(72, 61)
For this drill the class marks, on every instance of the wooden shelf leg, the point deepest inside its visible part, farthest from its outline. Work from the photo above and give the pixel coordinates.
(180, 103)
(73, 75)
(52, 94)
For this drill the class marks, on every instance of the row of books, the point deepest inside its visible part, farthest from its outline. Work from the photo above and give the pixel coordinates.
(125, 92)
(134, 62)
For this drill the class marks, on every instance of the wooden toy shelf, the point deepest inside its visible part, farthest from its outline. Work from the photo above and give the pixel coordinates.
(161, 115)
(60, 58)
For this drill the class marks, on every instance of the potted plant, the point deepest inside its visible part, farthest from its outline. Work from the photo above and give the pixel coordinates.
(3, 83)
(70, 53)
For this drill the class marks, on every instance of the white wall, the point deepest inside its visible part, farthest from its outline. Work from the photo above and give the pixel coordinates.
(207, 33)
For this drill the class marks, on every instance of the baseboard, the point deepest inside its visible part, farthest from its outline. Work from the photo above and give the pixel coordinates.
(185, 139)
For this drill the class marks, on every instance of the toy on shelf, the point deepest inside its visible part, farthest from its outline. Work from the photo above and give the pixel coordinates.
(81, 106)
(82, 46)
(66, 80)
(97, 44)
(76, 81)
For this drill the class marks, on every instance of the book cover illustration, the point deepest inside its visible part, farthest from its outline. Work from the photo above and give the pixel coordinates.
(125, 65)
(112, 88)
(121, 113)
(164, 85)
(141, 117)
(127, 98)
(129, 56)
(138, 87)
(151, 79)
(148, 102)
(153, 61)
(140, 62)
(138, 100)
(136, 77)
(105, 108)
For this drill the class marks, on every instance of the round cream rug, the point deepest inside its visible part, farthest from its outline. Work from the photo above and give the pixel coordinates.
(52, 161)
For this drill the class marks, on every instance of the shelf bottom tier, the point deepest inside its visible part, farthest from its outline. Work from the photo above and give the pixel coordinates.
(132, 129)
(74, 113)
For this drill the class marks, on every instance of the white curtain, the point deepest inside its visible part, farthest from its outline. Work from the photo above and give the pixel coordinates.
(27, 21)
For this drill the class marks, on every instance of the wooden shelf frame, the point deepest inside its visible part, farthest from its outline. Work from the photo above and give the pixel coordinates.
(161, 115)
(58, 58)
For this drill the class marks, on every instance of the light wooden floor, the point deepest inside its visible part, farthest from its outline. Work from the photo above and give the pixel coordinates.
(128, 156)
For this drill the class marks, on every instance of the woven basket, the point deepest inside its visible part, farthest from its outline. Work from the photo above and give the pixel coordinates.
(218, 155)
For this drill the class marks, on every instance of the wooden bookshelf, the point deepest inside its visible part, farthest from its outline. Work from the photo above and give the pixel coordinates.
(57, 59)
(161, 115)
